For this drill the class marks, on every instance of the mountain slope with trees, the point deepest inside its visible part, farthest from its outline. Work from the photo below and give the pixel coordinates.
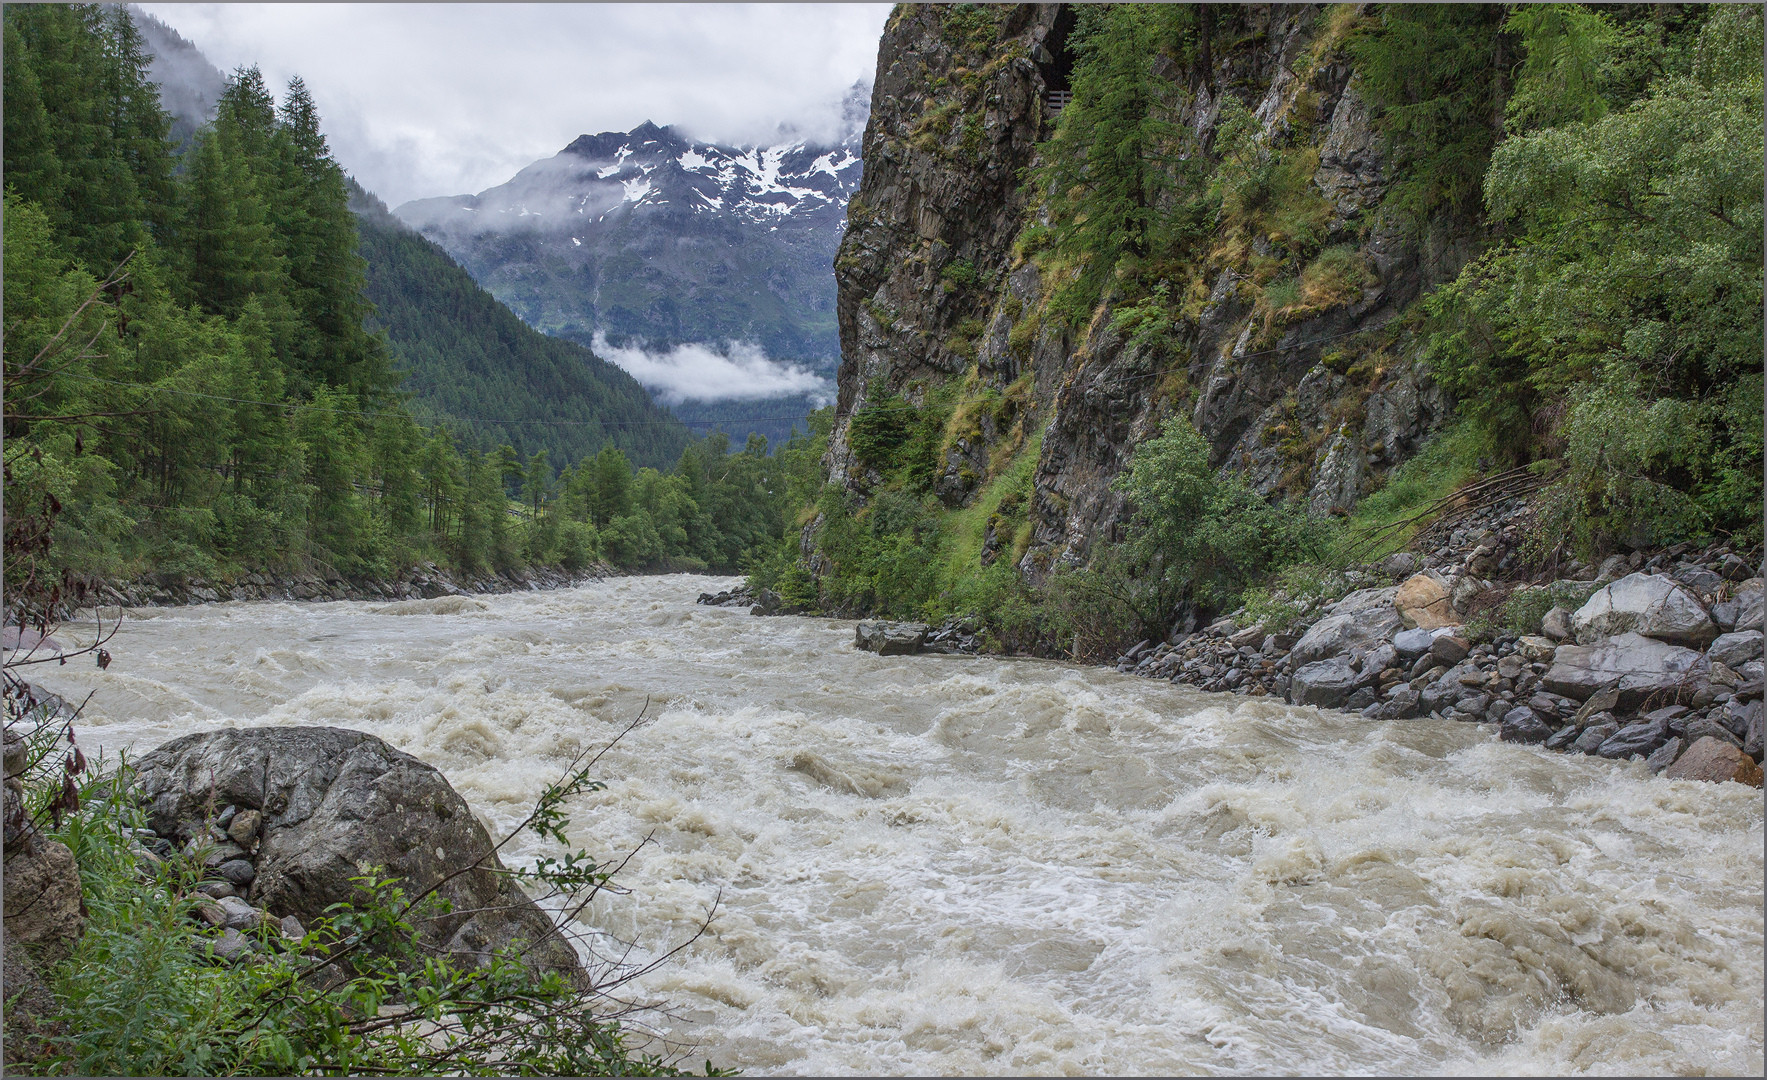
(198, 383)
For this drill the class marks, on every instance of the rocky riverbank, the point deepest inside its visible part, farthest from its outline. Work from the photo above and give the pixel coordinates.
(1651, 654)
(422, 581)
(1654, 654)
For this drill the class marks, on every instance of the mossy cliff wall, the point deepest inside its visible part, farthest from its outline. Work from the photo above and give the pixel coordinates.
(1279, 335)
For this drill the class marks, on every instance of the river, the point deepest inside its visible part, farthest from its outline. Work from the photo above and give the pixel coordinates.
(942, 865)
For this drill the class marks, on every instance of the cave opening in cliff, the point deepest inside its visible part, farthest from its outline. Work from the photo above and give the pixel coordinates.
(1056, 61)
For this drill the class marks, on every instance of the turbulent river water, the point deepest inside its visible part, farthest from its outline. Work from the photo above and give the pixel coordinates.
(940, 864)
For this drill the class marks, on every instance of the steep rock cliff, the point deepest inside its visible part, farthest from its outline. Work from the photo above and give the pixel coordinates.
(1289, 361)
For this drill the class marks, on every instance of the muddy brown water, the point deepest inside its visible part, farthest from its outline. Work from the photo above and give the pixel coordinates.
(953, 865)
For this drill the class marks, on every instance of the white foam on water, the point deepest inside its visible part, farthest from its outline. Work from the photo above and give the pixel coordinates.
(961, 865)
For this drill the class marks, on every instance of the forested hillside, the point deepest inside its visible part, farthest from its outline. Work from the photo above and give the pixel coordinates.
(1277, 279)
(466, 356)
(198, 384)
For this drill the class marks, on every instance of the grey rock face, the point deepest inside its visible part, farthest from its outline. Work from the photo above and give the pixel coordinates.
(44, 912)
(336, 801)
(1736, 649)
(1338, 479)
(1335, 635)
(890, 639)
(1640, 666)
(1556, 624)
(1654, 605)
(1634, 740)
(1413, 643)
(1522, 725)
(1325, 683)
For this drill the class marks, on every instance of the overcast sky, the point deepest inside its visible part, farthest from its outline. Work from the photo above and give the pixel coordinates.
(444, 99)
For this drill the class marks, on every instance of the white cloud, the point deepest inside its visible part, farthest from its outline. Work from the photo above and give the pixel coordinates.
(442, 99)
(740, 371)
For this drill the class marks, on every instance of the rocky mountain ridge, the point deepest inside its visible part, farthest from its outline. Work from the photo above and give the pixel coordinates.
(656, 237)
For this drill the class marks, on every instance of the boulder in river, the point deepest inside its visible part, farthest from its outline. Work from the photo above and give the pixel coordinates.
(1654, 605)
(336, 802)
(1714, 761)
(1327, 683)
(890, 638)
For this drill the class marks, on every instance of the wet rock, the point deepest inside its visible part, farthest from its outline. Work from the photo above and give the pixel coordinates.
(335, 801)
(1423, 601)
(1449, 649)
(1589, 740)
(1634, 740)
(1563, 737)
(1664, 756)
(1335, 635)
(890, 639)
(1523, 725)
(1326, 683)
(1552, 705)
(1654, 605)
(1361, 699)
(1714, 761)
(1414, 642)
(1556, 624)
(1736, 649)
(1404, 703)
(1636, 667)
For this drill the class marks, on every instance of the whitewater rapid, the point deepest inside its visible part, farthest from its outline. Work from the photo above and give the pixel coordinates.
(947, 865)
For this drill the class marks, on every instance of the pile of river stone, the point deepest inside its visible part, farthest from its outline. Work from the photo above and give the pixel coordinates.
(1663, 661)
(225, 848)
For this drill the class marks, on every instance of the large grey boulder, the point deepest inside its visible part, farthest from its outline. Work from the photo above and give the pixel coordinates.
(1325, 683)
(890, 638)
(1357, 631)
(337, 802)
(1638, 667)
(1654, 605)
